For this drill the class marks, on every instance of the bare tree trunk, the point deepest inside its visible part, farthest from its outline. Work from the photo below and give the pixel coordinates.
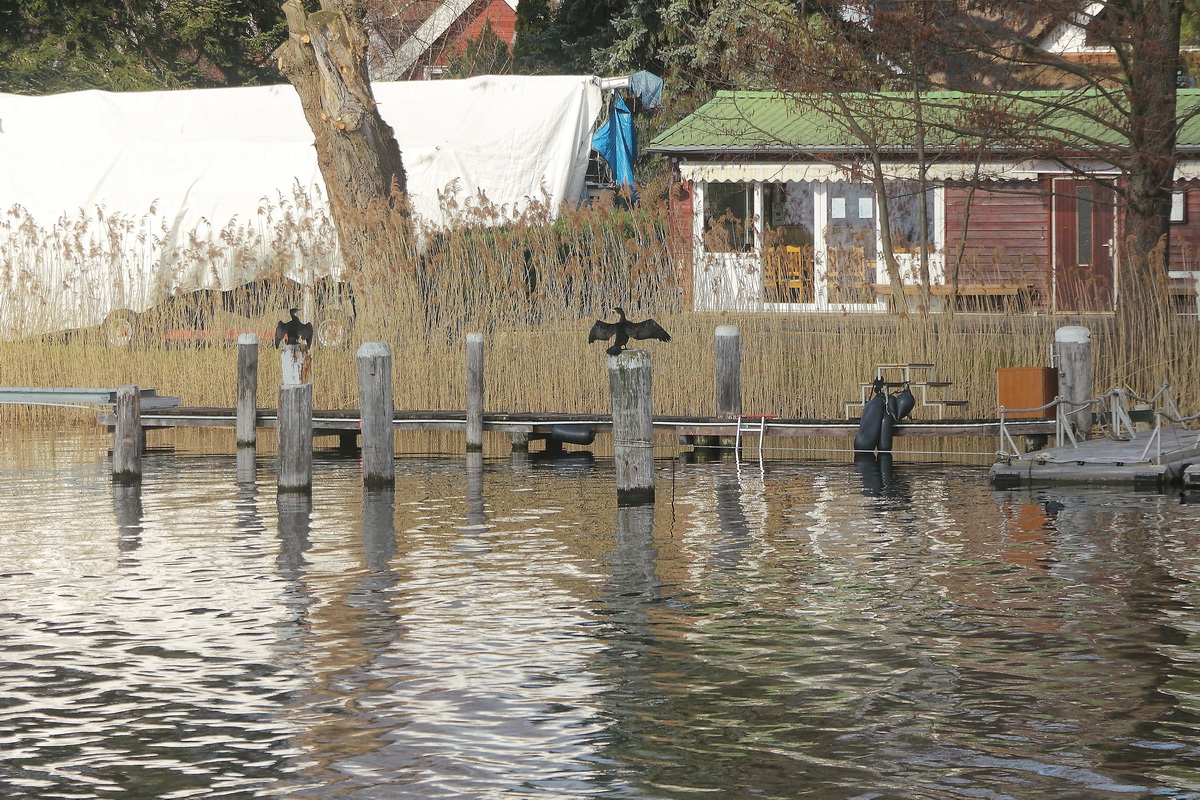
(1151, 64)
(325, 59)
(885, 235)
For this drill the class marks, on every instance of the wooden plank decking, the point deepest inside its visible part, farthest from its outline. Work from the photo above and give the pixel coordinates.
(334, 422)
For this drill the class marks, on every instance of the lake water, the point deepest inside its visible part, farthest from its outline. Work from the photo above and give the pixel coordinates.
(499, 629)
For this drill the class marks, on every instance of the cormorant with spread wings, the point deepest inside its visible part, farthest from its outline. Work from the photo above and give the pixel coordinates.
(293, 330)
(625, 330)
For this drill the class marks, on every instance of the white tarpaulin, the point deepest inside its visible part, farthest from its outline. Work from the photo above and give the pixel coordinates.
(115, 200)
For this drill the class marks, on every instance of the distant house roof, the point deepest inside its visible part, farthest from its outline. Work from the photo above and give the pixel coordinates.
(1057, 122)
(423, 32)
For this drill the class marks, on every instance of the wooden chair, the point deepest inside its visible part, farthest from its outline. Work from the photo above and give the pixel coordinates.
(788, 274)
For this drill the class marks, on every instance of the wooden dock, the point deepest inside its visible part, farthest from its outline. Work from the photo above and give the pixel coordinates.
(688, 430)
(1147, 459)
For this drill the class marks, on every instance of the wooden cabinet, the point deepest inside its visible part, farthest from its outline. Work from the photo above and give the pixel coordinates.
(1026, 387)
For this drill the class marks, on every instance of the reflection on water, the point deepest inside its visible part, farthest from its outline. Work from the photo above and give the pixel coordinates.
(499, 628)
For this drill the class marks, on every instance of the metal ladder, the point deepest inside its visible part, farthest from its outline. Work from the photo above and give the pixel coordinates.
(751, 423)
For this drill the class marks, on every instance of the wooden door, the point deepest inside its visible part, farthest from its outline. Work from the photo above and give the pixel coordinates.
(1083, 246)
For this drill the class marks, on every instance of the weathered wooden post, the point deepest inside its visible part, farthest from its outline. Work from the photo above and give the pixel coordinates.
(127, 436)
(633, 426)
(247, 389)
(294, 364)
(375, 402)
(728, 350)
(474, 391)
(295, 438)
(1073, 343)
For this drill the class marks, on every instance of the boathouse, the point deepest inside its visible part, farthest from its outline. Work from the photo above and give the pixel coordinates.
(777, 196)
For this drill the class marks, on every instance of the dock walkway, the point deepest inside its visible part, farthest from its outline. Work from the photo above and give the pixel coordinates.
(346, 422)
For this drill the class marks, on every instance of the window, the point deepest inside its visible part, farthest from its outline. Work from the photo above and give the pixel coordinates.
(1178, 206)
(904, 216)
(727, 218)
(1083, 216)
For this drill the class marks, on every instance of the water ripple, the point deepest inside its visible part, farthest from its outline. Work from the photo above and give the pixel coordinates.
(502, 629)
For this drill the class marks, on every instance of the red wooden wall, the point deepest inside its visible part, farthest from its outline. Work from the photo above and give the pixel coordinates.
(1008, 233)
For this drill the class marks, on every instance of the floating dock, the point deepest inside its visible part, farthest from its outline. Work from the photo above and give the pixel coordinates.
(1150, 459)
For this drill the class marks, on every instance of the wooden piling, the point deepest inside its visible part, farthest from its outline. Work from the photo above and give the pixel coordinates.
(1073, 343)
(247, 389)
(474, 391)
(728, 351)
(127, 436)
(378, 430)
(294, 364)
(295, 438)
(629, 380)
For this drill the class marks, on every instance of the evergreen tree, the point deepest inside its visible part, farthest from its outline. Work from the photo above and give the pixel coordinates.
(68, 45)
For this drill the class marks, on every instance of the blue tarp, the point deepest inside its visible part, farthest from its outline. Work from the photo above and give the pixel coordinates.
(648, 88)
(616, 140)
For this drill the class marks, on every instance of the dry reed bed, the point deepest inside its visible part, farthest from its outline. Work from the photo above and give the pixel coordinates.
(534, 286)
(793, 365)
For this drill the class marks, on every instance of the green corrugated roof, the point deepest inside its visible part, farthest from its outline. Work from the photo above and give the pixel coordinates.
(775, 122)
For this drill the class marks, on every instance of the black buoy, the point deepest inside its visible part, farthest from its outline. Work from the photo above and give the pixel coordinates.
(887, 427)
(905, 402)
(573, 434)
(625, 330)
(870, 423)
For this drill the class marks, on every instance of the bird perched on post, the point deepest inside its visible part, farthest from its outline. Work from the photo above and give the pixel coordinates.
(293, 330)
(625, 330)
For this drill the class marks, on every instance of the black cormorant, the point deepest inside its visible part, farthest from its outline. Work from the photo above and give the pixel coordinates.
(626, 330)
(292, 331)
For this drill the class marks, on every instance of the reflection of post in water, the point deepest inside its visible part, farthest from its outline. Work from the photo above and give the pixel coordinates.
(247, 466)
(295, 524)
(732, 518)
(127, 508)
(249, 521)
(379, 530)
(634, 579)
(476, 514)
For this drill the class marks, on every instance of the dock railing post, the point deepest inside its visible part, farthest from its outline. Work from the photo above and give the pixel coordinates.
(474, 392)
(247, 389)
(1073, 344)
(127, 436)
(375, 401)
(629, 379)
